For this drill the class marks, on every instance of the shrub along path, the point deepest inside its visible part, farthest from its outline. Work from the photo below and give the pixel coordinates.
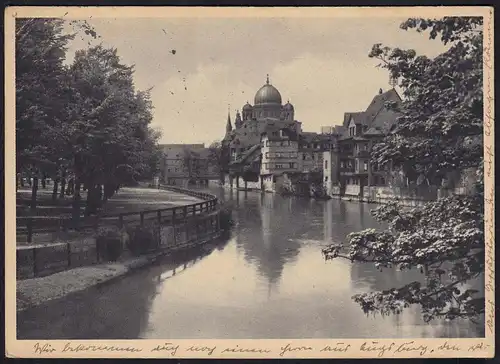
(128, 199)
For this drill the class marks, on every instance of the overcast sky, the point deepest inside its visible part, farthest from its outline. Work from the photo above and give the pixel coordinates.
(321, 65)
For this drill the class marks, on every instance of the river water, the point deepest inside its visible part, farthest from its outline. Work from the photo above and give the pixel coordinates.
(268, 280)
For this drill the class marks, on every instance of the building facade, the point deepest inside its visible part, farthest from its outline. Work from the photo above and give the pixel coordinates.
(184, 164)
(311, 149)
(268, 111)
(347, 169)
(267, 143)
(280, 151)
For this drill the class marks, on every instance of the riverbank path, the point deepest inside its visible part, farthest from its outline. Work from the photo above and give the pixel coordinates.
(127, 199)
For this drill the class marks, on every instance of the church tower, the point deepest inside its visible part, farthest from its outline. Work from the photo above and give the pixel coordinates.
(229, 127)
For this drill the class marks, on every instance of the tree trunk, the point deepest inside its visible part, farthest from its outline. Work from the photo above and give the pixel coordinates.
(34, 190)
(108, 191)
(54, 189)
(76, 203)
(99, 195)
(63, 187)
(89, 206)
(94, 199)
(70, 190)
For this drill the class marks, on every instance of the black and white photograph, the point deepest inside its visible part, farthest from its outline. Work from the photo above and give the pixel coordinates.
(209, 180)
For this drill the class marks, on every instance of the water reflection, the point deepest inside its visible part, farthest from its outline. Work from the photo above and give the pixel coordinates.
(268, 281)
(118, 310)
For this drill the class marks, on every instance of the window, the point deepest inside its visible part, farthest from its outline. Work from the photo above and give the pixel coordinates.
(326, 164)
(382, 181)
(326, 178)
(303, 157)
(357, 165)
(292, 165)
(267, 143)
(342, 164)
(266, 165)
(168, 170)
(312, 156)
(365, 165)
(267, 154)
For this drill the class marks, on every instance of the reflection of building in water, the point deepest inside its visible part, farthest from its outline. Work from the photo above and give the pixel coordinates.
(270, 250)
(362, 215)
(328, 222)
(366, 277)
(343, 212)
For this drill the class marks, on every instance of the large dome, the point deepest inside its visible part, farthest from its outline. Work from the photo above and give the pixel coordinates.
(267, 94)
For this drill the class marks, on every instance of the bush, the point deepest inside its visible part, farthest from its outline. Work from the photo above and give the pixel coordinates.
(143, 239)
(109, 243)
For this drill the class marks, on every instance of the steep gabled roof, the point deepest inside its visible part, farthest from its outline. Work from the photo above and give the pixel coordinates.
(358, 117)
(373, 131)
(378, 103)
(377, 118)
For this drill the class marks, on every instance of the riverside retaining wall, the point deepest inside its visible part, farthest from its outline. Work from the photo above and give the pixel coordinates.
(37, 260)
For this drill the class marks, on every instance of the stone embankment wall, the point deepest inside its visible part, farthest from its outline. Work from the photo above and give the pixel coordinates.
(371, 194)
(250, 185)
(383, 194)
(37, 261)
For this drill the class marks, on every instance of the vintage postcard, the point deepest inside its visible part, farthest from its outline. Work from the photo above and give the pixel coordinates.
(249, 182)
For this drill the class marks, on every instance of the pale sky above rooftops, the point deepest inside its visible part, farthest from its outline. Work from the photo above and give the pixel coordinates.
(321, 65)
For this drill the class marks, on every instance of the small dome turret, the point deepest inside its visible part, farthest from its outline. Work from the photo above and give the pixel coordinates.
(247, 107)
(288, 106)
(246, 111)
